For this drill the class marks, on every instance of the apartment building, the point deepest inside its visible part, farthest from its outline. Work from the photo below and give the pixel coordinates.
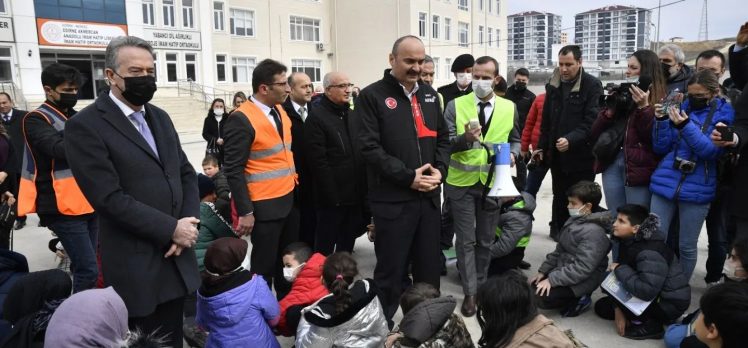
(531, 36)
(609, 35)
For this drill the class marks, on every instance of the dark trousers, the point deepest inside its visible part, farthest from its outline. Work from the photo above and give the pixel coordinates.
(338, 228)
(307, 220)
(535, 179)
(269, 238)
(406, 232)
(741, 228)
(507, 262)
(559, 297)
(167, 319)
(605, 308)
(562, 180)
(190, 305)
(79, 238)
(520, 181)
(719, 226)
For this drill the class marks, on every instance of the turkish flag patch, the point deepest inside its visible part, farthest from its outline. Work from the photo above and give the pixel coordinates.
(391, 103)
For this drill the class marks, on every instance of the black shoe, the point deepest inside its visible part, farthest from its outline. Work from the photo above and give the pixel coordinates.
(578, 308)
(19, 225)
(645, 331)
(524, 265)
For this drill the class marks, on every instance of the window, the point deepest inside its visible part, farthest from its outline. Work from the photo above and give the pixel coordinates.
(147, 12)
(187, 14)
(421, 24)
(435, 26)
(242, 68)
(311, 67)
(168, 13)
(490, 6)
(218, 16)
(464, 30)
(480, 4)
(480, 34)
(490, 37)
(171, 67)
(463, 4)
(221, 68)
(436, 67)
(2, 7)
(5, 66)
(447, 28)
(190, 64)
(447, 67)
(304, 29)
(498, 37)
(242, 22)
(498, 6)
(155, 65)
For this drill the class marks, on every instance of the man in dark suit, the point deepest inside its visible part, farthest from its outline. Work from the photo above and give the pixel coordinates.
(132, 169)
(12, 118)
(297, 106)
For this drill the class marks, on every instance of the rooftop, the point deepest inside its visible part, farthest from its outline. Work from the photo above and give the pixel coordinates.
(611, 8)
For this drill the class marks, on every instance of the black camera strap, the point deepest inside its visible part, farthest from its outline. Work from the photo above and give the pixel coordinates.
(704, 128)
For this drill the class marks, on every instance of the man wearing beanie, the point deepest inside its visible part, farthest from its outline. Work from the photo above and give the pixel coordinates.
(462, 67)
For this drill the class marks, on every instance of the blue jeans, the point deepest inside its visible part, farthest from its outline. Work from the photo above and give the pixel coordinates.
(79, 238)
(534, 179)
(675, 334)
(691, 218)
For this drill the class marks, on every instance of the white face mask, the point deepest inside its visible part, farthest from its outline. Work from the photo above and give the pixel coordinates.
(731, 271)
(290, 273)
(218, 112)
(463, 79)
(483, 88)
(573, 212)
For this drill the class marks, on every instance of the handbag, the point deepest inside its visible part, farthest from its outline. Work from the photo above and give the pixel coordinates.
(609, 143)
(213, 148)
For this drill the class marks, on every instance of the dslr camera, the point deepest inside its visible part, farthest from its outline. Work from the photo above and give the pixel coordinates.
(685, 166)
(618, 97)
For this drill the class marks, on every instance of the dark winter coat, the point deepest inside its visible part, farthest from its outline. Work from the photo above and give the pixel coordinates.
(691, 144)
(304, 193)
(16, 139)
(212, 227)
(680, 80)
(581, 255)
(432, 324)
(570, 118)
(212, 130)
(223, 194)
(451, 91)
(332, 149)
(640, 159)
(650, 271)
(515, 224)
(739, 74)
(523, 100)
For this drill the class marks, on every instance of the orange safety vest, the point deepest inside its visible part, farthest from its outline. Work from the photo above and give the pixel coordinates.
(270, 171)
(70, 199)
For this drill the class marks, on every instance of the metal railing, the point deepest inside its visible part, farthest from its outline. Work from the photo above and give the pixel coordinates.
(15, 94)
(204, 93)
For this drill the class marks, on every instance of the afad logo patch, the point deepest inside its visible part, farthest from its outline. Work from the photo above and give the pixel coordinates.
(391, 103)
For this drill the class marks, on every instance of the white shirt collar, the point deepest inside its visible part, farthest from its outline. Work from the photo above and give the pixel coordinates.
(405, 90)
(10, 113)
(265, 109)
(490, 101)
(122, 106)
(298, 106)
(462, 89)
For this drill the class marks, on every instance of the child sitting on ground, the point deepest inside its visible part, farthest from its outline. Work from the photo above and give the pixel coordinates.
(235, 307)
(577, 266)
(723, 322)
(429, 321)
(223, 192)
(303, 269)
(648, 270)
(350, 316)
(512, 234)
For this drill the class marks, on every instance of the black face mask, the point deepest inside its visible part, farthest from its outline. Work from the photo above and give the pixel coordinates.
(520, 86)
(67, 100)
(666, 70)
(139, 90)
(697, 103)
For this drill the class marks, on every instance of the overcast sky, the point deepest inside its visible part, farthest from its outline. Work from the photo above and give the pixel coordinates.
(679, 19)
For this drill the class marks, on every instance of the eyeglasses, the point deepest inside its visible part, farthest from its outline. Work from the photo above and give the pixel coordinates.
(343, 85)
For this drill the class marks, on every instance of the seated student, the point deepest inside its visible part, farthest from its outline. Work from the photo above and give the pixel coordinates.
(508, 316)
(223, 192)
(648, 270)
(723, 321)
(512, 234)
(683, 335)
(577, 266)
(350, 316)
(303, 270)
(429, 321)
(235, 307)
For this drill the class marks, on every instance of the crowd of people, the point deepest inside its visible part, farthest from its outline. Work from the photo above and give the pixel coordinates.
(160, 254)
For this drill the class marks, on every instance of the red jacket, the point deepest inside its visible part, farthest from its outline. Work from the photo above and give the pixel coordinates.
(531, 132)
(306, 289)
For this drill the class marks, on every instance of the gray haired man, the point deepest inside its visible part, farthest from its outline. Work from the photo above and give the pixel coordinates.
(676, 71)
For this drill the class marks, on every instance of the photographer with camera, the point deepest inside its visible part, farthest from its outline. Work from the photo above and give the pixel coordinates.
(686, 178)
(622, 133)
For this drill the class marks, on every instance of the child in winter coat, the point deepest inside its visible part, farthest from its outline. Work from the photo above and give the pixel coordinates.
(429, 321)
(577, 267)
(722, 322)
(351, 316)
(512, 234)
(223, 192)
(648, 270)
(212, 224)
(234, 306)
(304, 272)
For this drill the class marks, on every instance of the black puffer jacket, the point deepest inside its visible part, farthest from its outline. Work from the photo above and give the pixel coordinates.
(680, 80)
(650, 271)
(432, 324)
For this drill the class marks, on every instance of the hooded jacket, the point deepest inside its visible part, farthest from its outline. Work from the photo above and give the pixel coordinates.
(692, 144)
(305, 290)
(540, 332)
(650, 271)
(362, 325)
(212, 227)
(680, 79)
(432, 324)
(515, 224)
(239, 317)
(531, 130)
(581, 255)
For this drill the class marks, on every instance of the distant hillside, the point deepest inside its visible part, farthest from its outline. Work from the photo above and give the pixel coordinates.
(692, 49)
